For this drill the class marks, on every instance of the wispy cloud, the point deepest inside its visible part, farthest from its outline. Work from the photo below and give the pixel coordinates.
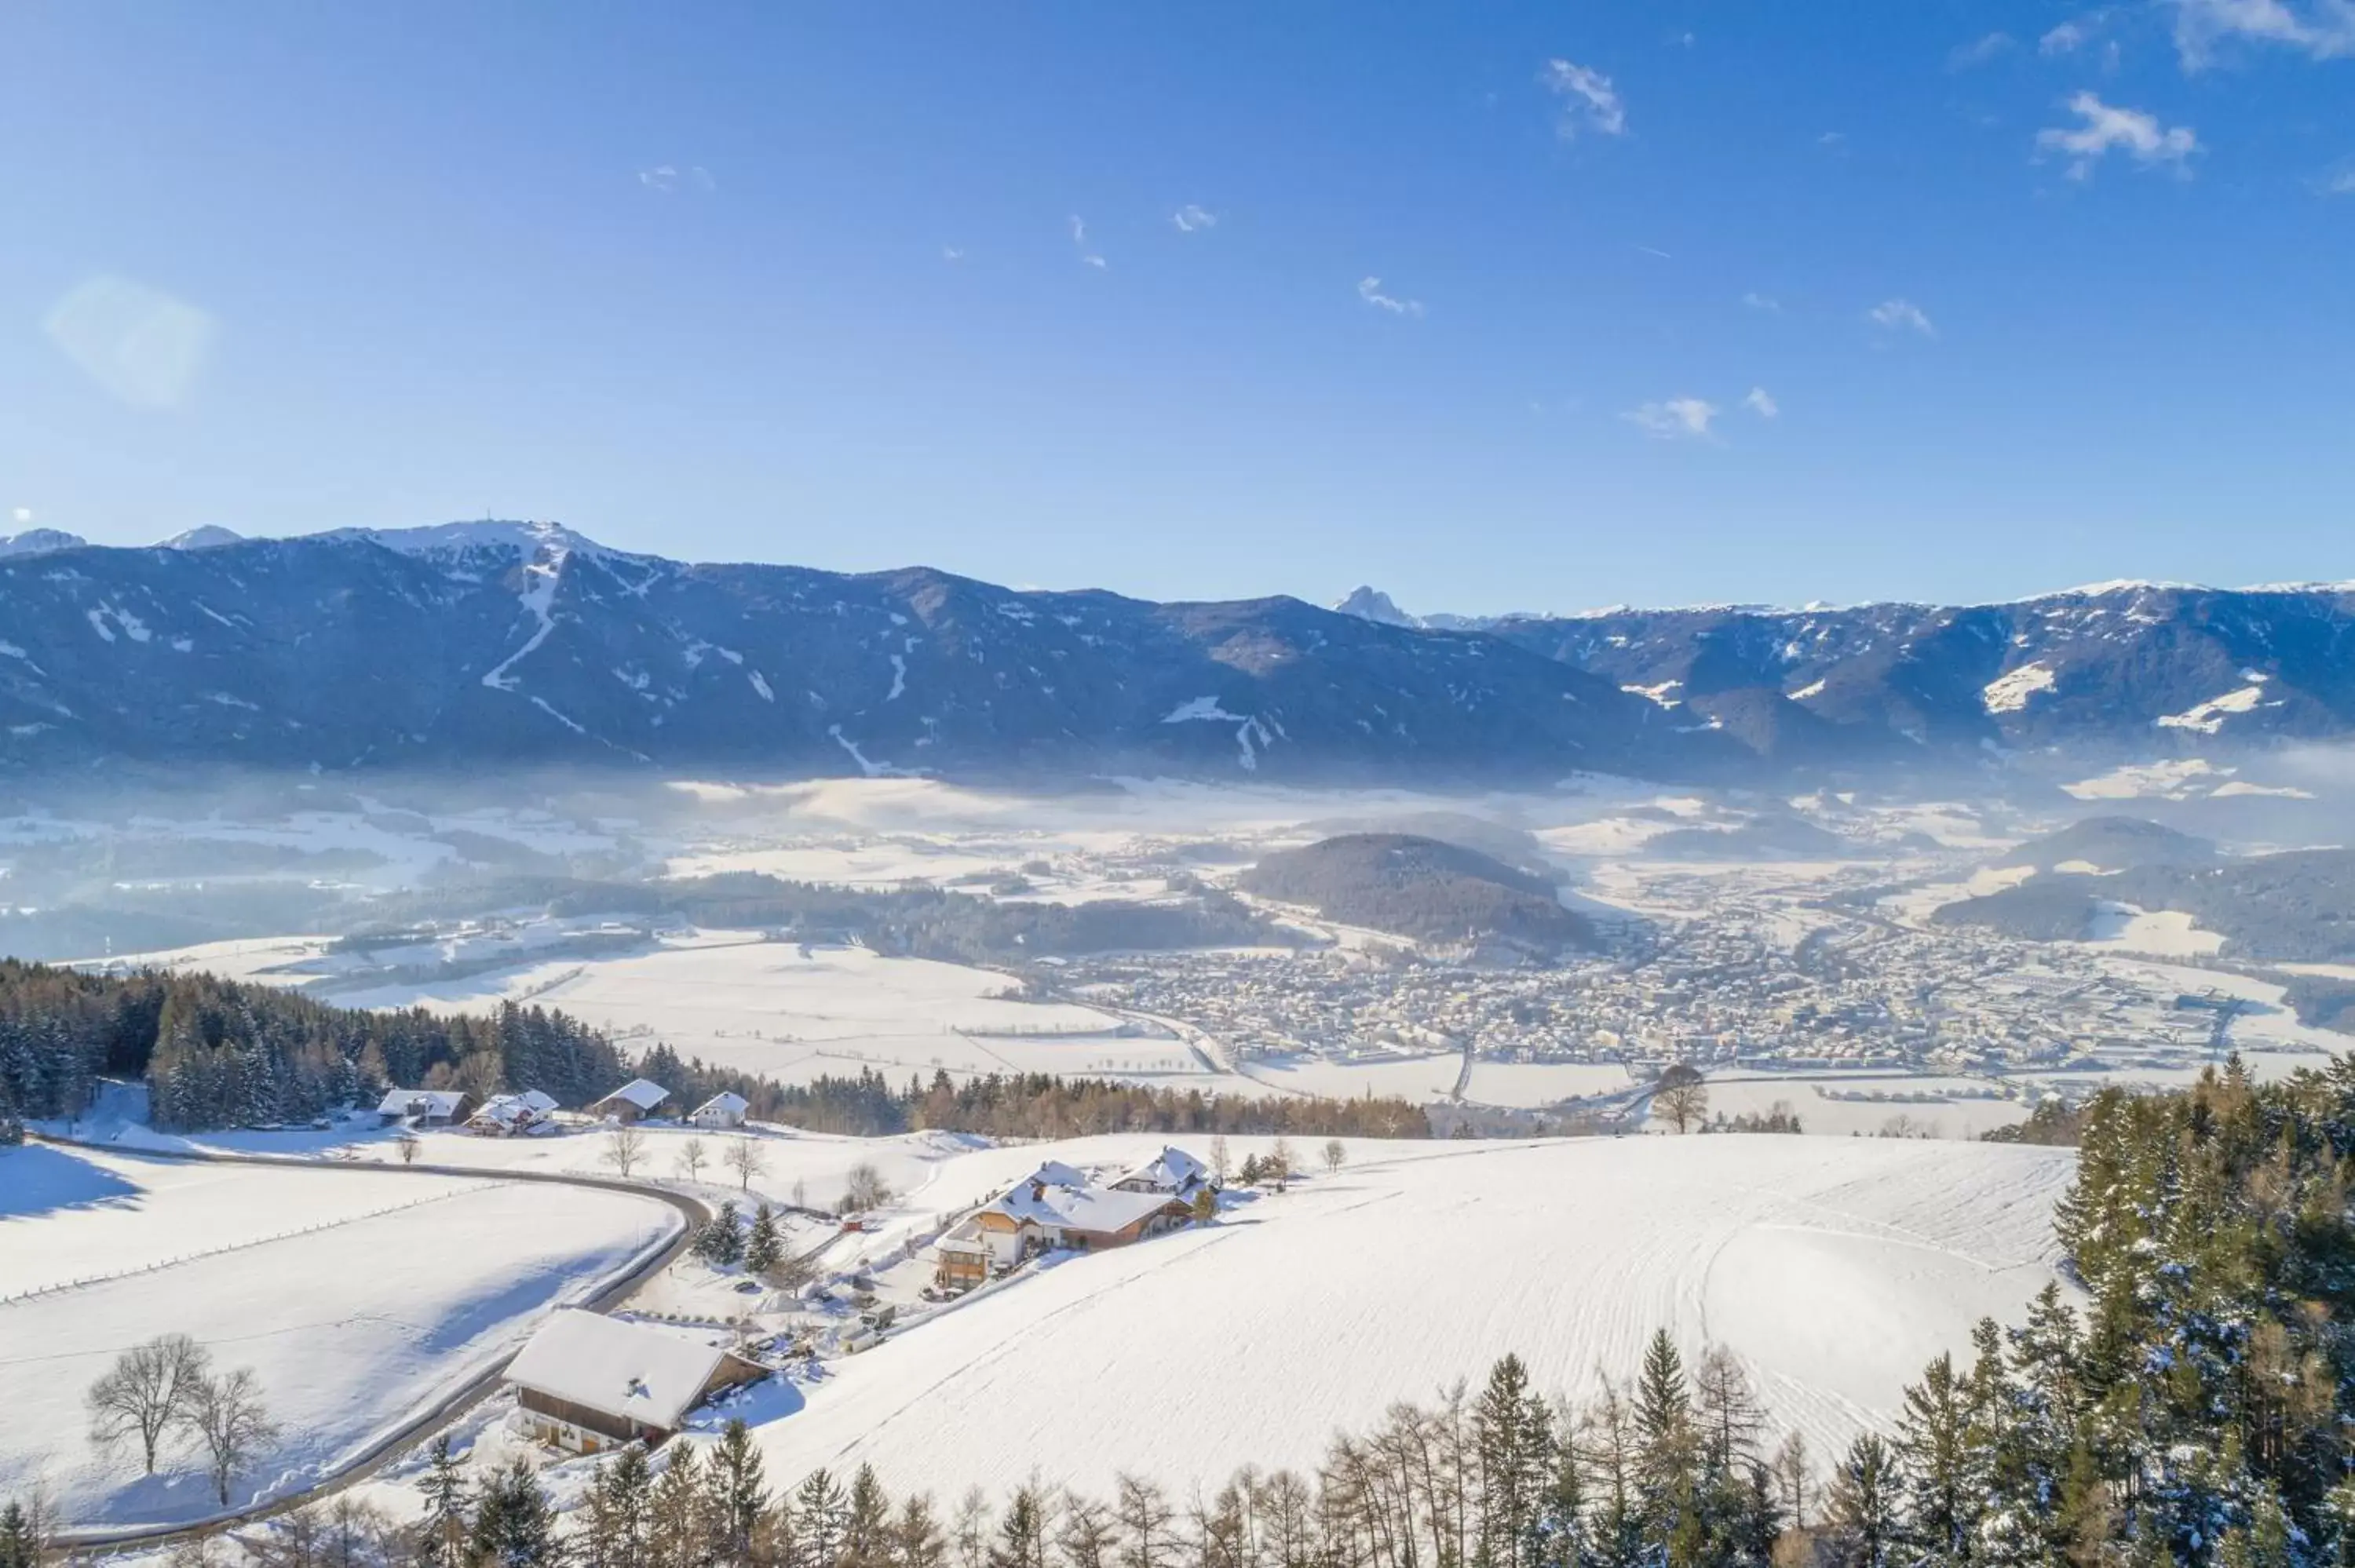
(1673, 419)
(952, 254)
(1088, 257)
(1980, 51)
(2106, 129)
(2325, 29)
(1192, 220)
(21, 515)
(1767, 303)
(669, 177)
(1760, 402)
(1588, 100)
(1370, 291)
(2338, 180)
(1901, 316)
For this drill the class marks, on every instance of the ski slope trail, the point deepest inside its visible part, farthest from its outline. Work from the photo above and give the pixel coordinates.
(1833, 1268)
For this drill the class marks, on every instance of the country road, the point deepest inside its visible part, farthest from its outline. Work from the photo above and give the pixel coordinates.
(612, 1294)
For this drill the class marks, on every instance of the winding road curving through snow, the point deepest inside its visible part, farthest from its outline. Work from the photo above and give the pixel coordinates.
(612, 1294)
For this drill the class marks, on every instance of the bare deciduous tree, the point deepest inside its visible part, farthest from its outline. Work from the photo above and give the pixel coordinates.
(231, 1425)
(691, 1155)
(1337, 1154)
(625, 1150)
(864, 1189)
(1681, 1099)
(746, 1158)
(1222, 1160)
(409, 1144)
(146, 1392)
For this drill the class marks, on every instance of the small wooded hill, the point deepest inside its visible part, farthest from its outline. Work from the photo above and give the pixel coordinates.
(1419, 887)
(2114, 843)
(2289, 907)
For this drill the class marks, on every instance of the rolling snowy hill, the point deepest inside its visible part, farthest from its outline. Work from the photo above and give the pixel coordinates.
(1833, 1268)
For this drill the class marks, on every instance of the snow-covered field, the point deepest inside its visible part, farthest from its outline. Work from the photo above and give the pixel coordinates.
(1833, 1268)
(1840, 1105)
(357, 1298)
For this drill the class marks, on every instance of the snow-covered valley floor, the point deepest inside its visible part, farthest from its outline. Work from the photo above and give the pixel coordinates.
(357, 1298)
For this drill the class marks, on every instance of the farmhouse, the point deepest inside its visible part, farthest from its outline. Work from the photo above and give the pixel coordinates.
(513, 1116)
(588, 1383)
(1174, 1172)
(722, 1109)
(634, 1101)
(424, 1107)
(1056, 1206)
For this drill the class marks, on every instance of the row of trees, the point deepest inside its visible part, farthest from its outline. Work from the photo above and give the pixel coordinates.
(1027, 1105)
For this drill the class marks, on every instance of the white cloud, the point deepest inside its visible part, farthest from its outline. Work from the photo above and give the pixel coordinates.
(1370, 291)
(1080, 238)
(2325, 30)
(1901, 316)
(1673, 419)
(22, 514)
(2064, 39)
(1588, 98)
(1190, 219)
(2139, 134)
(668, 177)
(952, 254)
(1963, 57)
(1761, 404)
(2338, 181)
(141, 345)
(1758, 301)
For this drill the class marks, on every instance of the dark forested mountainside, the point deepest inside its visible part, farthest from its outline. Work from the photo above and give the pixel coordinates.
(513, 645)
(1422, 888)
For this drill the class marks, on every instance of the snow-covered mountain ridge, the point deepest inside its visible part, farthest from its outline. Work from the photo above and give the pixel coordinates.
(505, 642)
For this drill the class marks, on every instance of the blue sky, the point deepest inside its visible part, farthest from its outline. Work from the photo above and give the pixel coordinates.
(1494, 306)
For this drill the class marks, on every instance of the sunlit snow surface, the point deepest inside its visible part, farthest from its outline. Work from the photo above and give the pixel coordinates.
(1834, 1267)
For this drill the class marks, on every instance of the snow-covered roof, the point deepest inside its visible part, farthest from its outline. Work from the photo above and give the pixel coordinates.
(726, 1102)
(643, 1093)
(528, 1106)
(1077, 1206)
(422, 1102)
(629, 1369)
(1171, 1171)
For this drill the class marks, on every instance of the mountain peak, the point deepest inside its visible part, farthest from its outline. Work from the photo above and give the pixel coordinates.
(1371, 604)
(211, 537)
(529, 540)
(39, 542)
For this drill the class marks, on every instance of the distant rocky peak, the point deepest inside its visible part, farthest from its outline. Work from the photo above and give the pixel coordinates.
(1372, 604)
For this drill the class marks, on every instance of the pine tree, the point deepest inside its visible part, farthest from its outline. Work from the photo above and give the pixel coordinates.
(676, 1533)
(18, 1548)
(826, 1517)
(763, 1247)
(867, 1525)
(1940, 1465)
(1513, 1439)
(1863, 1503)
(736, 1492)
(514, 1525)
(442, 1535)
(1022, 1534)
(916, 1538)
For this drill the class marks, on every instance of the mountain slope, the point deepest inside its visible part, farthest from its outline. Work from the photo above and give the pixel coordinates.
(491, 643)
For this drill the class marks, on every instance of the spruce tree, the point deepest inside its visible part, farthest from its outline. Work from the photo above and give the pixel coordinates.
(514, 1525)
(447, 1527)
(763, 1247)
(17, 1547)
(1862, 1507)
(736, 1492)
(826, 1517)
(676, 1534)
